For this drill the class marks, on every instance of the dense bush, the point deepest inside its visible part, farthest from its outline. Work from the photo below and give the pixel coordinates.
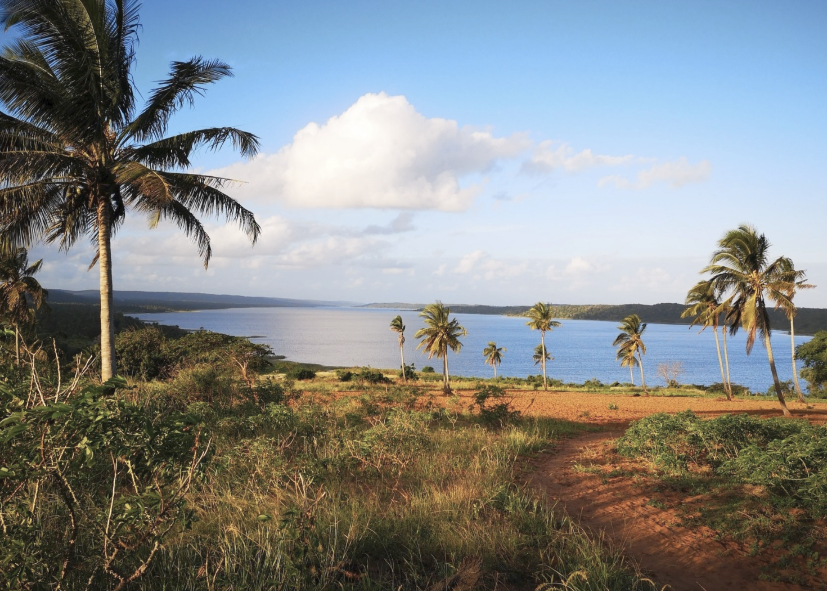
(787, 457)
(428, 369)
(814, 355)
(410, 373)
(344, 375)
(371, 376)
(301, 373)
(494, 406)
(142, 352)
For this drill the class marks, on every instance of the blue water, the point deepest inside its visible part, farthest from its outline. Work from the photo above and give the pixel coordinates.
(582, 349)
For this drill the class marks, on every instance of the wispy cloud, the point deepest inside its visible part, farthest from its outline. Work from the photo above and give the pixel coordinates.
(549, 156)
(676, 174)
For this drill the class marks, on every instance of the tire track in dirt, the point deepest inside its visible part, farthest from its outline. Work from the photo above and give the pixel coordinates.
(686, 559)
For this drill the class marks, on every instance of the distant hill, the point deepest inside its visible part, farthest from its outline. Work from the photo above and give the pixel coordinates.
(164, 301)
(808, 321)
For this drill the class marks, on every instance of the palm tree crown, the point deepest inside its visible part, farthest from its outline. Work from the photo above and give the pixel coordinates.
(17, 287)
(440, 333)
(630, 342)
(704, 305)
(493, 355)
(541, 318)
(741, 266)
(75, 151)
(540, 354)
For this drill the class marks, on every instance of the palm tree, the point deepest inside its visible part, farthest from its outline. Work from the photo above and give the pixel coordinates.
(399, 328)
(627, 359)
(75, 153)
(741, 265)
(440, 333)
(704, 306)
(540, 355)
(493, 355)
(630, 343)
(17, 286)
(540, 315)
(796, 279)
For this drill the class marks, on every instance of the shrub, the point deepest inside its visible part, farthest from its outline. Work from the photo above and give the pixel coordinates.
(493, 407)
(301, 373)
(428, 369)
(344, 375)
(372, 376)
(142, 353)
(410, 373)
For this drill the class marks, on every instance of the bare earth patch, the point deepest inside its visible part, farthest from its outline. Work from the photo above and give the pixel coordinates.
(587, 478)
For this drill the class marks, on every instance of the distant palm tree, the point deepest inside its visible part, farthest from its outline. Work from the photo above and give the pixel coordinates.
(630, 342)
(540, 355)
(741, 265)
(17, 287)
(493, 355)
(796, 279)
(704, 306)
(399, 328)
(440, 333)
(627, 359)
(77, 154)
(540, 315)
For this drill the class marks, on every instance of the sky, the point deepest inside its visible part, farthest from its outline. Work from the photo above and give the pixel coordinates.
(489, 152)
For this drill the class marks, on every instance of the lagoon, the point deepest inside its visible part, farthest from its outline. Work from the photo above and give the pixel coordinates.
(582, 349)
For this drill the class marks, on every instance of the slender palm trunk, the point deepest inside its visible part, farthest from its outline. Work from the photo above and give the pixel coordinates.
(778, 391)
(494, 365)
(543, 343)
(446, 383)
(642, 379)
(17, 344)
(108, 363)
(402, 356)
(631, 374)
(795, 369)
(721, 365)
(726, 363)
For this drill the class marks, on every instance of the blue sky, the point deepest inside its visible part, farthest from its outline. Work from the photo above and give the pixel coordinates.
(573, 152)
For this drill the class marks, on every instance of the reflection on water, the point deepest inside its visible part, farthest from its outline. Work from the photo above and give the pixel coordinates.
(582, 349)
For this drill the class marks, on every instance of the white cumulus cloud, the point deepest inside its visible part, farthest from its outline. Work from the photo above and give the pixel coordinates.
(379, 153)
(676, 173)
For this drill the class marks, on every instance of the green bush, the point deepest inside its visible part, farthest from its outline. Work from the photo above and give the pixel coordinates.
(142, 353)
(428, 369)
(344, 375)
(493, 406)
(410, 373)
(814, 355)
(372, 376)
(301, 373)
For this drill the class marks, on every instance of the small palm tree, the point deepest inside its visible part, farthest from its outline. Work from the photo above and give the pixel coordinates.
(796, 279)
(630, 342)
(704, 306)
(493, 355)
(540, 355)
(398, 327)
(540, 315)
(440, 333)
(741, 265)
(77, 152)
(17, 287)
(627, 359)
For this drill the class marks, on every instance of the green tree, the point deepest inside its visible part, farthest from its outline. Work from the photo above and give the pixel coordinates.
(75, 153)
(441, 332)
(741, 266)
(17, 287)
(705, 308)
(399, 328)
(627, 359)
(493, 355)
(540, 355)
(630, 342)
(540, 318)
(796, 280)
(814, 355)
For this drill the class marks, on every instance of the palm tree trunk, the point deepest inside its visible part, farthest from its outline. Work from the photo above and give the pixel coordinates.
(795, 369)
(402, 355)
(108, 363)
(17, 345)
(728, 384)
(642, 379)
(446, 383)
(494, 365)
(543, 342)
(721, 365)
(631, 375)
(778, 391)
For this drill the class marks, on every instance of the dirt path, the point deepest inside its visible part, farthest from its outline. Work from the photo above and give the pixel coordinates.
(686, 559)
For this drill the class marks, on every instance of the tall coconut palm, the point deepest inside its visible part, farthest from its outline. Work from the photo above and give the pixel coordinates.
(17, 287)
(627, 359)
(399, 328)
(796, 279)
(540, 316)
(493, 355)
(76, 154)
(630, 342)
(741, 265)
(441, 332)
(704, 306)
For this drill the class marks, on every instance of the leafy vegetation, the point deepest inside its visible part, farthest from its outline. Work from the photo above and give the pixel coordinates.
(814, 355)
